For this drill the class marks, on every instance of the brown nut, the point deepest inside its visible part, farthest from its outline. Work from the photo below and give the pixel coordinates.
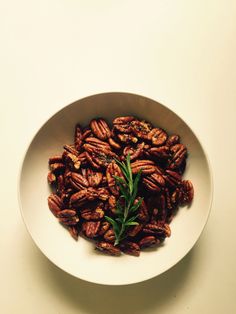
(134, 230)
(134, 152)
(78, 182)
(123, 124)
(179, 154)
(100, 128)
(55, 160)
(90, 228)
(113, 170)
(109, 236)
(114, 144)
(172, 178)
(72, 160)
(91, 161)
(89, 214)
(93, 143)
(141, 128)
(70, 149)
(108, 248)
(148, 241)
(86, 133)
(94, 178)
(142, 211)
(105, 225)
(51, 178)
(55, 204)
(79, 198)
(127, 138)
(155, 182)
(187, 192)
(130, 248)
(78, 137)
(68, 217)
(162, 230)
(57, 167)
(146, 166)
(162, 152)
(172, 140)
(158, 136)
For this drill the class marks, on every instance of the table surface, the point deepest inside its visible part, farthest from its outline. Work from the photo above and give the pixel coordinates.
(182, 53)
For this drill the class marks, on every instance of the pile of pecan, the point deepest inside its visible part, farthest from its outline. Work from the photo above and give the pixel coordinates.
(84, 188)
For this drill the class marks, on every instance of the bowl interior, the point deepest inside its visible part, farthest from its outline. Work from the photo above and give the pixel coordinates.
(79, 258)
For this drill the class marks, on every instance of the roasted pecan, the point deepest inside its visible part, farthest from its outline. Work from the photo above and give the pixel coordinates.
(79, 198)
(172, 140)
(127, 138)
(72, 160)
(55, 160)
(112, 203)
(130, 248)
(179, 154)
(134, 152)
(55, 204)
(94, 178)
(168, 199)
(158, 136)
(51, 178)
(82, 158)
(68, 217)
(162, 152)
(109, 236)
(78, 182)
(105, 225)
(155, 182)
(100, 128)
(93, 143)
(114, 144)
(92, 162)
(108, 248)
(73, 232)
(102, 193)
(57, 167)
(60, 184)
(103, 159)
(78, 137)
(172, 178)
(70, 149)
(141, 128)
(89, 214)
(148, 241)
(113, 170)
(86, 133)
(123, 124)
(162, 230)
(134, 230)
(90, 228)
(147, 166)
(187, 192)
(142, 211)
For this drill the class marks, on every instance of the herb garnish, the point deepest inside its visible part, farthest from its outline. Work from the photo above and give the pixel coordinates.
(125, 207)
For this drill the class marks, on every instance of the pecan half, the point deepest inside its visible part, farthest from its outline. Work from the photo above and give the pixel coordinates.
(130, 248)
(73, 161)
(127, 138)
(55, 160)
(162, 230)
(78, 182)
(100, 128)
(134, 152)
(142, 211)
(172, 178)
(93, 144)
(89, 214)
(187, 192)
(57, 167)
(148, 241)
(155, 182)
(108, 248)
(141, 128)
(109, 236)
(158, 136)
(68, 217)
(172, 140)
(147, 166)
(51, 178)
(179, 152)
(55, 204)
(134, 230)
(105, 225)
(90, 228)
(79, 198)
(114, 144)
(162, 152)
(123, 124)
(78, 137)
(113, 170)
(94, 178)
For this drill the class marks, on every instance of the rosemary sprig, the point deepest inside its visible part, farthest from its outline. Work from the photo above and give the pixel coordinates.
(125, 207)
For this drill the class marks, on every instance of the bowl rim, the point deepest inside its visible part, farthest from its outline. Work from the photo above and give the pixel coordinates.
(30, 141)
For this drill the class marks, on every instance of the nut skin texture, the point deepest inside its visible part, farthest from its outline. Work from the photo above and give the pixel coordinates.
(114, 144)
(187, 192)
(55, 204)
(78, 182)
(94, 177)
(155, 182)
(162, 152)
(179, 154)
(146, 166)
(78, 137)
(172, 140)
(100, 128)
(109, 236)
(134, 152)
(51, 178)
(113, 170)
(141, 128)
(157, 136)
(91, 228)
(68, 217)
(148, 241)
(89, 214)
(130, 248)
(108, 248)
(123, 124)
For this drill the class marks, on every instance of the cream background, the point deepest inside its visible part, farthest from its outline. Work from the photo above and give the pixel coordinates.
(182, 53)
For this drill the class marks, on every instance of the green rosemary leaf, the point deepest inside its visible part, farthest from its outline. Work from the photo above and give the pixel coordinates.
(136, 205)
(131, 223)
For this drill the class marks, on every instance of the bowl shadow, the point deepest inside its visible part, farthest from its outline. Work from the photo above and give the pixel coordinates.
(146, 297)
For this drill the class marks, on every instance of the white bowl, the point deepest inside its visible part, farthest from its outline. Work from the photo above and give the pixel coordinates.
(79, 258)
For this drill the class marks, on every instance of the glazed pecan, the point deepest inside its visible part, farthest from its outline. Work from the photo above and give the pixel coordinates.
(148, 241)
(162, 230)
(55, 204)
(162, 152)
(73, 161)
(57, 167)
(155, 182)
(89, 214)
(93, 144)
(70, 149)
(142, 211)
(94, 177)
(158, 136)
(127, 138)
(141, 128)
(134, 230)
(147, 166)
(123, 124)
(112, 203)
(172, 178)
(108, 248)
(114, 144)
(100, 158)
(100, 128)
(179, 152)
(134, 152)
(55, 160)
(113, 170)
(68, 217)
(79, 198)
(90, 228)
(78, 182)
(172, 140)
(51, 178)
(109, 236)
(130, 248)
(86, 133)
(78, 137)
(105, 225)
(187, 192)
